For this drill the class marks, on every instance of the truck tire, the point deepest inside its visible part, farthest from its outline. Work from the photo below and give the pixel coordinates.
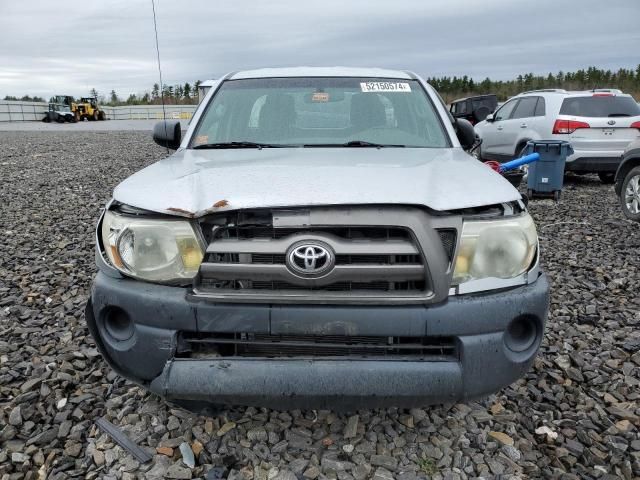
(101, 115)
(630, 195)
(94, 117)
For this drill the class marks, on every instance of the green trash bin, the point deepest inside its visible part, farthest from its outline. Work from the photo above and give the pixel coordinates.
(546, 176)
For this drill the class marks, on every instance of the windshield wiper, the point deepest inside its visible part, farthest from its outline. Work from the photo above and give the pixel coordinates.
(354, 143)
(242, 144)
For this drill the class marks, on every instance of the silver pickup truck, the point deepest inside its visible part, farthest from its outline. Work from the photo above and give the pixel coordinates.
(319, 239)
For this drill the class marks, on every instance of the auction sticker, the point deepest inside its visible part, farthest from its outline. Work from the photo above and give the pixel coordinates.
(385, 87)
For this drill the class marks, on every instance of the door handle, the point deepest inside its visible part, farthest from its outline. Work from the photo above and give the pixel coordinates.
(500, 127)
(523, 125)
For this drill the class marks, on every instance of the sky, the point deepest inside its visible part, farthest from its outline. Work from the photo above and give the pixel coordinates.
(70, 46)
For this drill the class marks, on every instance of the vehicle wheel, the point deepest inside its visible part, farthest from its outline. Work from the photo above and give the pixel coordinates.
(523, 168)
(520, 151)
(630, 195)
(60, 119)
(95, 116)
(607, 178)
(46, 119)
(101, 115)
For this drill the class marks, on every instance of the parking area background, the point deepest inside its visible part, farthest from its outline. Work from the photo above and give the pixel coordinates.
(86, 126)
(20, 111)
(574, 415)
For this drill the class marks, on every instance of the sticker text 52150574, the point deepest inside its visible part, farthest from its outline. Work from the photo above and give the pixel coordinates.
(385, 87)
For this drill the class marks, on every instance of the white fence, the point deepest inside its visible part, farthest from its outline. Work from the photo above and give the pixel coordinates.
(12, 111)
(22, 111)
(150, 112)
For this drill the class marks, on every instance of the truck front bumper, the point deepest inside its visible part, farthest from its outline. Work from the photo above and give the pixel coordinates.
(138, 326)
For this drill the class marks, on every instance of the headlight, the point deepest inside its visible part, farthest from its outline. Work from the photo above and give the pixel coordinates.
(157, 250)
(495, 248)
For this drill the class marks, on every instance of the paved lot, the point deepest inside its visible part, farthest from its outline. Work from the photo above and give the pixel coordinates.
(86, 126)
(584, 388)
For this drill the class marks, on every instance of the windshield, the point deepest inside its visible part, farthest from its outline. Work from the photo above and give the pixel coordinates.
(317, 112)
(600, 106)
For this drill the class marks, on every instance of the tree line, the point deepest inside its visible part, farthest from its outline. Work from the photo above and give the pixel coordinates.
(627, 80)
(180, 94)
(24, 98)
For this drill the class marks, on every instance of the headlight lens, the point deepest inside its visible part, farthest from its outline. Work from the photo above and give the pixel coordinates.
(495, 248)
(152, 249)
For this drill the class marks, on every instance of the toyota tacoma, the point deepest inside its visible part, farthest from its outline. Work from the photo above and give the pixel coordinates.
(319, 239)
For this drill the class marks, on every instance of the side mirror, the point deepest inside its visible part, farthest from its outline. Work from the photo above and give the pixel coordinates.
(465, 132)
(489, 118)
(168, 133)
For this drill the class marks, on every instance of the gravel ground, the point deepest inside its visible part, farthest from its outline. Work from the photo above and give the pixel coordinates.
(583, 391)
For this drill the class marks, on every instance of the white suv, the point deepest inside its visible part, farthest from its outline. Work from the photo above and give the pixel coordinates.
(599, 124)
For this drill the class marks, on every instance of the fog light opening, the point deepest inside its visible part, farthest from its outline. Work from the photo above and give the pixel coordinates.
(521, 334)
(118, 324)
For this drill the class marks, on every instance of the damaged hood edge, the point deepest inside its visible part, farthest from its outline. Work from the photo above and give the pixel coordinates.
(194, 183)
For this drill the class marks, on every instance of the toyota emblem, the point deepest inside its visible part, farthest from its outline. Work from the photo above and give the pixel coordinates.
(611, 122)
(310, 259)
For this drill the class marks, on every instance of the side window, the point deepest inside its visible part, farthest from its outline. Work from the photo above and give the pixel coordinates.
(525, 108)
(540, 108)
(505, 110)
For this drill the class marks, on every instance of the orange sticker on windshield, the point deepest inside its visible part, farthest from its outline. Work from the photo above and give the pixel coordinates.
(320, 97)
(200, 139)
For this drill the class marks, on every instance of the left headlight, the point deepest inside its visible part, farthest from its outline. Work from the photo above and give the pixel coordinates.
(502, 249)
(156, 250)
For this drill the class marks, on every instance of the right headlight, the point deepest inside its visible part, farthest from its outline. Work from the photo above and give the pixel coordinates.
(502, 249)
(157, 250)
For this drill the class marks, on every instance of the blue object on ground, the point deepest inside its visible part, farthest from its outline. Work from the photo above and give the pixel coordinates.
(533, 157)
(546, 176)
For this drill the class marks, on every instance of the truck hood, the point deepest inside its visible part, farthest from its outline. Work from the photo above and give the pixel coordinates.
(193, 183)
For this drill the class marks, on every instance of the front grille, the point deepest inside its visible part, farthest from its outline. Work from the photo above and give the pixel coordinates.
(368, 259)
(208, 345)
(246, 257)
(448, 238)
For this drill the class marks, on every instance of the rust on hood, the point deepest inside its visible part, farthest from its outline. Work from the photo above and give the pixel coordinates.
(181, 211)
(220, 204)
